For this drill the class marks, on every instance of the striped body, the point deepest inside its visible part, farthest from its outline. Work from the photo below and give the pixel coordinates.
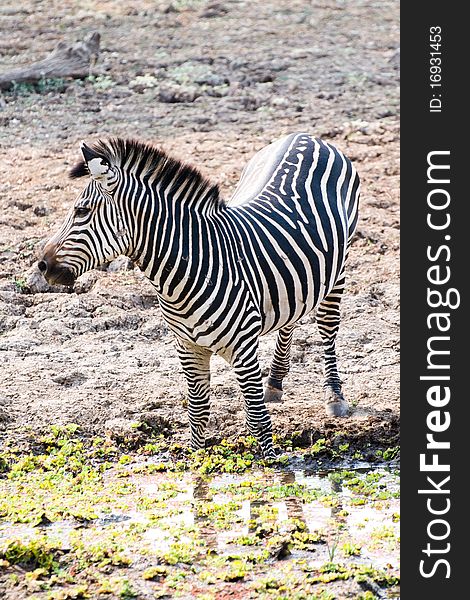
(265, 262)
(224, 273)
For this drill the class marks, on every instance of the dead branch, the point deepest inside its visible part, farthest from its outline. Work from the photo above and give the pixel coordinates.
(75, 60)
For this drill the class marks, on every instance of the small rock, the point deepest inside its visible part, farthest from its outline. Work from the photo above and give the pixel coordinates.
(143, 82)
(86, 282)
(122, 263)
(201, 119)
(41, 211)
(170, 8)
(264, 77)
(156, 423)
(385, 113)
(281, 551)
(211, 79)
(20, 205)
(42, 520)
(238, 63)
(35, 283)
(70, 379)
(177, 93)
(280, 102)
(153, 330)
(213, 9)
(325, 95)
(218, 91)
(124, 431)
(250, 102)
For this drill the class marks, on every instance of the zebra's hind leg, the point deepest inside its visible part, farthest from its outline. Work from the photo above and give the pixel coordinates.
(328, 320)
(258, 420)
(195, 362)
(280, 365)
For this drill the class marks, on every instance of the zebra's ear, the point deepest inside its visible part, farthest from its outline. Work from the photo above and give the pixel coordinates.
(97, 165)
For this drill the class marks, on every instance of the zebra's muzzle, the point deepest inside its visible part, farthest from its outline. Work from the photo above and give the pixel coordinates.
(55, 274)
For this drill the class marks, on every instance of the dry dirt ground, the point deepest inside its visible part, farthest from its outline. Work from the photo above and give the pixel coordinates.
(211, 82)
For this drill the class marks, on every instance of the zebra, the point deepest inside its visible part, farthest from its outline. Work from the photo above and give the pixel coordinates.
(225, 273)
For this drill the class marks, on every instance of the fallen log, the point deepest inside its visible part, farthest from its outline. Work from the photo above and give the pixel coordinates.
(66, 60)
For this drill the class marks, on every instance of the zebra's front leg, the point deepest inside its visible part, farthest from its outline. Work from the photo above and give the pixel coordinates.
(328, 321)
(280, 365)
(195, 362)
(258, 420)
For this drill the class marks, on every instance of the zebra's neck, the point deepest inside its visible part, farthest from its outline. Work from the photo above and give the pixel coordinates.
(177, 236)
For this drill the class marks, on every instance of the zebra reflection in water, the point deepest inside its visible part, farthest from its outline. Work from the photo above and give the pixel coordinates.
(262, 517)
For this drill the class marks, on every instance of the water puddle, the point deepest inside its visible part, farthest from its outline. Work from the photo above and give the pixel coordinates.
(304, 518)
(338, 512)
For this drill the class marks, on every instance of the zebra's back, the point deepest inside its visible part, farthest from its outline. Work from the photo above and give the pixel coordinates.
(295, 211)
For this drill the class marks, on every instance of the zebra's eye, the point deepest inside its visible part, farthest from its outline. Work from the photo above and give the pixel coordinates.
(82, 211)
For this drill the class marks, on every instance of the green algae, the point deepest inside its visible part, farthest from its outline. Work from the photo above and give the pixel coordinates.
(36, 553)
(81, 518)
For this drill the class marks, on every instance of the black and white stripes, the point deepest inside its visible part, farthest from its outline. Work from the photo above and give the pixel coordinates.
(224, 273)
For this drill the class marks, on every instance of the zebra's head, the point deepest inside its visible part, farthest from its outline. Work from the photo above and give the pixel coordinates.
(93, 231)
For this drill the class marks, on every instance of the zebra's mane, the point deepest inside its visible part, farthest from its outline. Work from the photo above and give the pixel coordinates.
(146, 160)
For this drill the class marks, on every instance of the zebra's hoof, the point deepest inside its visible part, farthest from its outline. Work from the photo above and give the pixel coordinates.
(270, 456)
(272, 394)
(335, 404)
